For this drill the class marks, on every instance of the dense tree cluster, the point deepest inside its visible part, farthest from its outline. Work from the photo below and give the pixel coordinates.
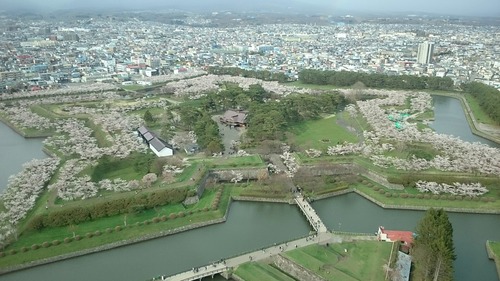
(374, 80)
(433, 251)
(198, 87)
(488, 98)
(76, 90)
(22, 192)
(203, 126)
(268, 121)
(261, 75)
(457, 188)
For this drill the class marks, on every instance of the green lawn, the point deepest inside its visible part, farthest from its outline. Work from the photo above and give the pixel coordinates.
(135, 228)
(254, 271)
(321, 133)
(479, 114)
(495, 248)
(233, 162)
(363, 260)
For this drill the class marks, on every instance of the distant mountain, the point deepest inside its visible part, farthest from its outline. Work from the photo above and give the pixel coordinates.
(282, 6)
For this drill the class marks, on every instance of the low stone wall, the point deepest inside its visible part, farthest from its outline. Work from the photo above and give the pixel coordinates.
(333, 194)
(247, 173)
(332, 169)
(295, 270)
(260, 199)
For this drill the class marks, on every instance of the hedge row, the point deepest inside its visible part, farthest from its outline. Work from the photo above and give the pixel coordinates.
(134, 203)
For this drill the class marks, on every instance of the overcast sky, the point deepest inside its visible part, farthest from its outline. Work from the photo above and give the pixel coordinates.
(447, 7)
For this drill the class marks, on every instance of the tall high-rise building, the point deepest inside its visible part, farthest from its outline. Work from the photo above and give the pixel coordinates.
(424, 54)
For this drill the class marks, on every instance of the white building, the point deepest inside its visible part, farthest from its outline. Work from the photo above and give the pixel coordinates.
(159, 147)
(424, 54)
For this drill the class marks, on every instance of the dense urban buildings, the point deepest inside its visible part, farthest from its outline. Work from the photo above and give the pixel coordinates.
(45, 52)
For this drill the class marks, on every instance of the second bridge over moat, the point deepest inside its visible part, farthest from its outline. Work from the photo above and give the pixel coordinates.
(310, 214)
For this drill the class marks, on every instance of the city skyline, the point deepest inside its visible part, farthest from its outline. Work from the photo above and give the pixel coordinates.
(445, 7)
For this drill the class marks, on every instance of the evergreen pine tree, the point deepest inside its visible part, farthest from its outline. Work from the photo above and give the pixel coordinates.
(433, 250)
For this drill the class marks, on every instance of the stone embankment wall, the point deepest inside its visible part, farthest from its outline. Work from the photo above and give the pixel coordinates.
(295, 270)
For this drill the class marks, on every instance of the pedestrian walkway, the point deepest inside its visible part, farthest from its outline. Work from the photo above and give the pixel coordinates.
(226, 264)
(310, 214)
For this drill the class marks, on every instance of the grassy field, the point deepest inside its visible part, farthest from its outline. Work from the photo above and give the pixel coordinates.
(137, 225)
(477, 111)
(321, 133)
(378, 192)
(495, 248)
(254, 271)
(363, 260)
(233, 162)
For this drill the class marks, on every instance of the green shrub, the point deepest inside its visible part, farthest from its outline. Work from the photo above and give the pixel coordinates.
(25, 249)
(172, 216)
(13, 252)
(387, 194)
(56, 242)
(146, 222)
(118, 228)
(138, 223)
(78, 237)
(163, 218)
(403, 195)
(468, 198)
(2, 254)
(156, 220)
(411, 195)
(181, 214)
(427, 196)
(485, 199)
(381, 191)
(109, 230)
(35, 247)
(45, 244)
(97, 233)
(89, 235)
(435, 197)
(420, 196)
(68, 240)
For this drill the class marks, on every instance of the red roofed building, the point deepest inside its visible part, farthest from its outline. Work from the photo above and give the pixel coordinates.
(406, 237)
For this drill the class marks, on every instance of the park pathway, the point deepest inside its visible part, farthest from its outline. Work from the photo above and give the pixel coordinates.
(234, 262)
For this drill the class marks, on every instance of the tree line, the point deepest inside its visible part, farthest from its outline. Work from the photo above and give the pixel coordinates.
(488, 98)
(261, 74)
(132, 204)
(374, 80)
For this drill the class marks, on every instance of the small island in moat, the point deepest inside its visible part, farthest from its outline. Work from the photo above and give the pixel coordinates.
(129, 165)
